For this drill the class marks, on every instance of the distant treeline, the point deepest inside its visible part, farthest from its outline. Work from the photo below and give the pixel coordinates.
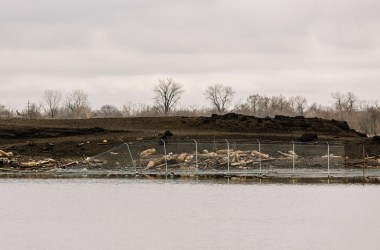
(361, 115)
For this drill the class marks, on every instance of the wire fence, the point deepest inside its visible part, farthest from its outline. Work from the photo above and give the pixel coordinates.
(256, 157)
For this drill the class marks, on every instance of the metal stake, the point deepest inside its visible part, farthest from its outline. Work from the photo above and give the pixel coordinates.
(364, 160)
(196, 155)
(130, 154)
(228, 156)
(294, 154)
(259, 156)
(166, 161)
(328, 160)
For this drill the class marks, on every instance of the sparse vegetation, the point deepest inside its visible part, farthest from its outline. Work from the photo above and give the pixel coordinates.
(361, 115)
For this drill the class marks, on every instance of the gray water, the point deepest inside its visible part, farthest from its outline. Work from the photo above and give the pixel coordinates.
(154, 214)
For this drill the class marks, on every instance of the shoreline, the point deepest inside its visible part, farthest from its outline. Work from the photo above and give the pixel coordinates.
(243, 178)
(180, 146)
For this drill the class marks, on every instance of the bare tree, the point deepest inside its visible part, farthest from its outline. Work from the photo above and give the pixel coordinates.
(345, 102)
(108, 111)
(32, 111)
(369, 118)
(138, 110)
(351, 101)
(53, 99)
(279, 104)
(264, 104)
(5, 112)
(77, 104)
(220, 96)
(253, 103)
(275, 105)
(167, 93)
(261, 106)
(339, 102)
(298, 104)
(374, 113)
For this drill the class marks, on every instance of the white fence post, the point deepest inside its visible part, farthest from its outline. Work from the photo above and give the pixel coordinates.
(294, 154)
(196, 156)
(259, 156)
(328, 160)
(166, 160)
(228, 156)
(130, 154)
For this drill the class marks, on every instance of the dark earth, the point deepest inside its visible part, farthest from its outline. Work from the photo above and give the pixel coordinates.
(79, 138)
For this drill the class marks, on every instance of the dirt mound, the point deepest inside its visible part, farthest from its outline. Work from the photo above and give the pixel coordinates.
(279, 124)
(308, 137)
(46, 132)
(79, 138)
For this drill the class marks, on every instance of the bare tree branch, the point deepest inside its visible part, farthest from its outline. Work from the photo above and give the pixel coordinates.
(53, 99)
(167, 93)
(77, 104)
(107, 111)
(220, 96)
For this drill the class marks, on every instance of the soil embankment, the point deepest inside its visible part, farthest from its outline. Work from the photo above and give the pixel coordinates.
(77, 139)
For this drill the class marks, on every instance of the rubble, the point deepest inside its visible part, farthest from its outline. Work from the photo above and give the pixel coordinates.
(71, 163)
(259, 155)
(182, 157)
(214, 158)
(289, 154)
(206, 159)
(92, 162)
(147, 152)
(331, 156)
(8, 155)
(42, 163)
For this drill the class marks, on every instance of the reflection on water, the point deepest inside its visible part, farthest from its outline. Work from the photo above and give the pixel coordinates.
(178, 214)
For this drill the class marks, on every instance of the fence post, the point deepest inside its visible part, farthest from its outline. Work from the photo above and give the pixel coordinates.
(294, 154)
(364, 160)
(228, 156)
(166, 160)
(196, 156)
(259, 156)
(130, 154)
(328, 160)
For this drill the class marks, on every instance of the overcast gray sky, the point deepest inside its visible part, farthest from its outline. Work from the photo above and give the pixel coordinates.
(116, 50)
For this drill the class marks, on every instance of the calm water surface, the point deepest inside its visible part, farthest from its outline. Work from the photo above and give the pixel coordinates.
(151, 214)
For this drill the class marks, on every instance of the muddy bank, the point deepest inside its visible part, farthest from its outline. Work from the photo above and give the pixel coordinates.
(221, 178)
(75, 140)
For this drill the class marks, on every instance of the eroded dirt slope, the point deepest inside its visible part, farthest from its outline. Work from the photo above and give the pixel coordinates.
(87, 137)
